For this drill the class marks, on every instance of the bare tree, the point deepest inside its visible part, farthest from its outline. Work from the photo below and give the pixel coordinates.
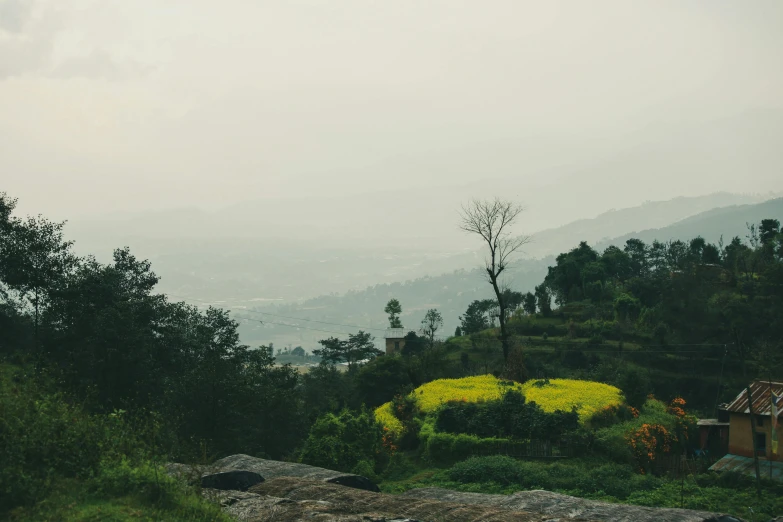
(492, 220)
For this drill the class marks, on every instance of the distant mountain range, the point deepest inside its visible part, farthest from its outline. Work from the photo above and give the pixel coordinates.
(713, 224)
(452, 292)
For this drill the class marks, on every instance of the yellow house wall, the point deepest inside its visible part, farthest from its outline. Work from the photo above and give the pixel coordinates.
(390, 345)
(740, 441)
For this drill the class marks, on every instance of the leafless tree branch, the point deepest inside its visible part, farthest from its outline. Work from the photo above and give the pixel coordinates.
(492, 220)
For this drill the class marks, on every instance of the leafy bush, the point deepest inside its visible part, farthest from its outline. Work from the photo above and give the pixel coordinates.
(43, 437)
(342, 441)
(509, 417)
(612, 441)
(636, 384)
(445, 448)
(406, 409)
(602, 479)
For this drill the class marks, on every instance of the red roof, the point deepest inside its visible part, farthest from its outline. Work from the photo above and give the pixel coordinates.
(762, 402)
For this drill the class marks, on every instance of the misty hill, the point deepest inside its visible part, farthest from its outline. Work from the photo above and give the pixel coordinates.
(451, 293)
(263, 252)
(616, 223)
(726, 222)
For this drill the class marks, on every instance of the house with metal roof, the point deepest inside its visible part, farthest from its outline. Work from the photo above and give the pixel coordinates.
(742, 435)
(395, 340)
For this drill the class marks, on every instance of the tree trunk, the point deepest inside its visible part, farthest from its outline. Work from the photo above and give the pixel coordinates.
(502, 317)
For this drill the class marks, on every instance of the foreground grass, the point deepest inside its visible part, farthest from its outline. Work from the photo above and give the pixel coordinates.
(73, 501)
(595, 480)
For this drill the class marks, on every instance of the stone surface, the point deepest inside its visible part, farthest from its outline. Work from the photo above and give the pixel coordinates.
(557, 505)
(240, 480)
(270, 469)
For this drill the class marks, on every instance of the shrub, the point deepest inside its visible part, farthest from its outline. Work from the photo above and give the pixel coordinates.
(612, 441)
(603, 479)
(509, 417)
(636, 385)
(42, 437)
(446, 448)
(342, 441)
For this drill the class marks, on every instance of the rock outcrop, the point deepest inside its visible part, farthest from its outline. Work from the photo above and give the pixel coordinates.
(270, 469)
(289, 491)
(234, 480)
(286, 499)
(564, 506)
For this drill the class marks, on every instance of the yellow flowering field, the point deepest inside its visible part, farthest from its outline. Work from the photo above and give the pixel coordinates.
(469, 389)
(385, 416)
(563, 394)
(558, 394)
(432, 394)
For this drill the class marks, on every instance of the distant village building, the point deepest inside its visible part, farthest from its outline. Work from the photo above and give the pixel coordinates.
(395, 340)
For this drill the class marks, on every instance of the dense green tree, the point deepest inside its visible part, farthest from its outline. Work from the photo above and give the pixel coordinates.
(637, 253)
(529, 303)
(543, 300)
(380, 379)
(513, 300)
(414, 344)
(103, 331)
(325, 389)
(432, 322)
(358, 347)
(35, 259)
(474, 320)
(394, 309)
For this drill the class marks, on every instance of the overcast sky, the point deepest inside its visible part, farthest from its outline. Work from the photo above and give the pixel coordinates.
(149, 104)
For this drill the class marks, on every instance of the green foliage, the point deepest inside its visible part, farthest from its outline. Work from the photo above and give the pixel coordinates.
(475, 318)
(380, 379)
(724, 493)
(121, 491)
(510, 417)
(432, 322)
(446, 448)
(394, 309)
(636, 385)
(615, 480)
(611, 441)
(357, 347)
(42, 438)
(405, 407)
(344, 441)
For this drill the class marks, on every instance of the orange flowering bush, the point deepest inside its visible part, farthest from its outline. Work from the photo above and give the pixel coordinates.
(648, 442)
(676, 407)
(388, 441)
(685, 423)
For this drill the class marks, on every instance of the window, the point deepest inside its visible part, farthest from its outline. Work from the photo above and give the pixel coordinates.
(396, 346)
(761, 444)
(759, 421)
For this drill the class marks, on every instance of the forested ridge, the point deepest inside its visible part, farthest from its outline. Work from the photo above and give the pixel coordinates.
(104, 379)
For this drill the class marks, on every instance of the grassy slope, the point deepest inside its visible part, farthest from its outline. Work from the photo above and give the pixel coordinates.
(74, 501)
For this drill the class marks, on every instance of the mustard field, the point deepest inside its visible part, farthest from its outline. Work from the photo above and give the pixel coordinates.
(557, 394)
(563, 394)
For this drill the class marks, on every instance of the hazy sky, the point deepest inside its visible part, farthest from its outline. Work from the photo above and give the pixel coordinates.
(148, 104)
